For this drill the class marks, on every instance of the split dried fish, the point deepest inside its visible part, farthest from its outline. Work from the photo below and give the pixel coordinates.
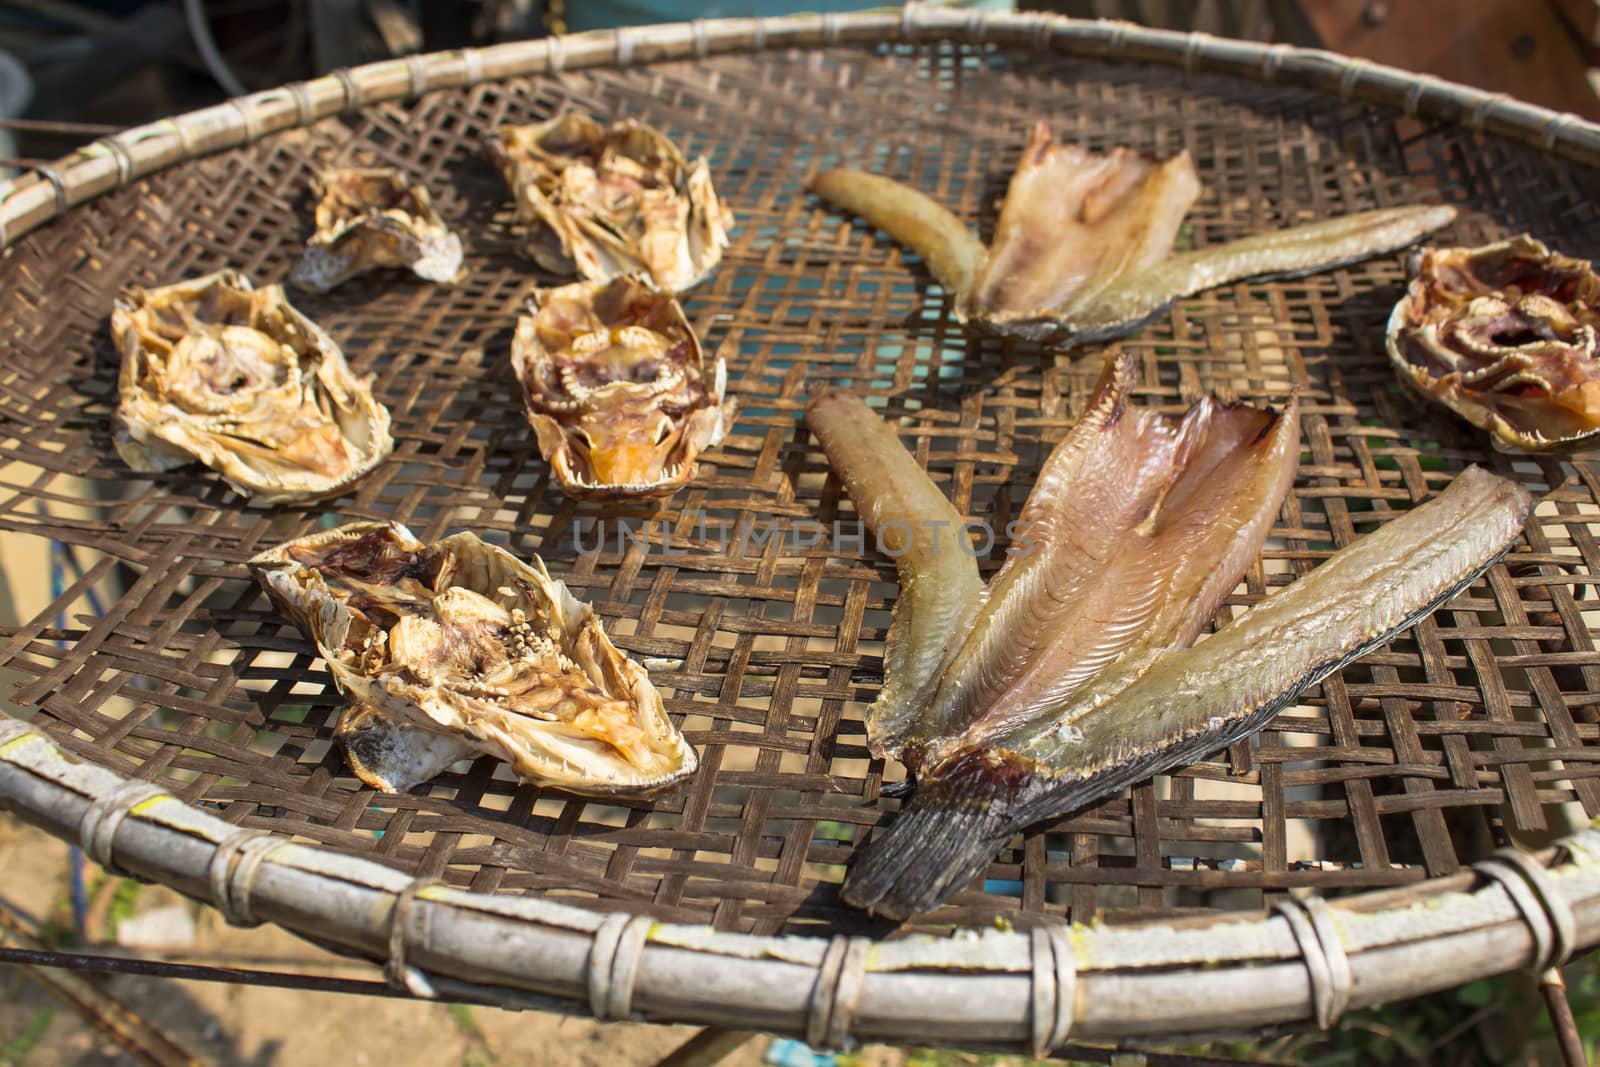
(458, 649)
(1072, 674)
(616, 389)
(602, 201)
(1508, 337)
(216, 370)
(1082, 249)
(369, 218)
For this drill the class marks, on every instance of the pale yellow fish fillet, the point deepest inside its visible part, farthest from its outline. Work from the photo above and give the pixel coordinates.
(1154, 709)
(1074, 223)
(939, 583)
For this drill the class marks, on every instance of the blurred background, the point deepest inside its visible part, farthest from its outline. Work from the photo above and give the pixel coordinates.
(114, 63)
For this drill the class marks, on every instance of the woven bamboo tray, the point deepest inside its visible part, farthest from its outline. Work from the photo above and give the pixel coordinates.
(184, 733)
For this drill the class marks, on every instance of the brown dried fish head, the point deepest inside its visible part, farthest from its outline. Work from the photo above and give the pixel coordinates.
(603, 201)
(368, 218)
(218, 371)
(616, 388)
(1507, 336)
(461, 640)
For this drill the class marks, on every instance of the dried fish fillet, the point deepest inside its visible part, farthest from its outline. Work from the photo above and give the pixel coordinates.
(216, 370)
(458, 648)
(1159, 711)
(602, 201)
(369, 218)
(1082, 249)
(1074, 675)
(1508, 337)
(616, 389)
(1138, 526)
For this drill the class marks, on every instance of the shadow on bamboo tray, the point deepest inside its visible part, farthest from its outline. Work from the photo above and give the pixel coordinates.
(185, 733)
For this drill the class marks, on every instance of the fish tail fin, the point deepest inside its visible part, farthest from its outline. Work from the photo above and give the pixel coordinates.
(943, 838)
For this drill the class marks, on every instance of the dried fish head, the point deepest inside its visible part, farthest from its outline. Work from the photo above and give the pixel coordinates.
(1507, 336)
(617, 390)
(459, 647)
(369, 218)
(218, 371)
(602, 201)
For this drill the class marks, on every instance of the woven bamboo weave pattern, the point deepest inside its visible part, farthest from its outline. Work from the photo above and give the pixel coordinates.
(1406, 765)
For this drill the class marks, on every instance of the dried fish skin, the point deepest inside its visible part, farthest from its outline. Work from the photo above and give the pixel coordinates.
(461, 640)
(370, 218)
(953, 253)
(1083, 248)
(617, 389)
(1508, 337)
(940, 590)
(216, 370)
(603, 201)
(1153, 711)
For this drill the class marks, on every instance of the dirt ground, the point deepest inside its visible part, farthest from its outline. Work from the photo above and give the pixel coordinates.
(256, 1026)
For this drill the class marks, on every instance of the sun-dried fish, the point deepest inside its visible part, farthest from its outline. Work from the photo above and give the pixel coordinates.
(1508, 337)
(940, 590)
(216, 370)
(390, 754)
(1082, 249)
(616, 389)
(458, 648)
(602, 201)
(1072, 674)
(369, 218)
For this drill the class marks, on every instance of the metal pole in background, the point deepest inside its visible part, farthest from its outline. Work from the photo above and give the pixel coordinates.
(446, 23)
(333, 34)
